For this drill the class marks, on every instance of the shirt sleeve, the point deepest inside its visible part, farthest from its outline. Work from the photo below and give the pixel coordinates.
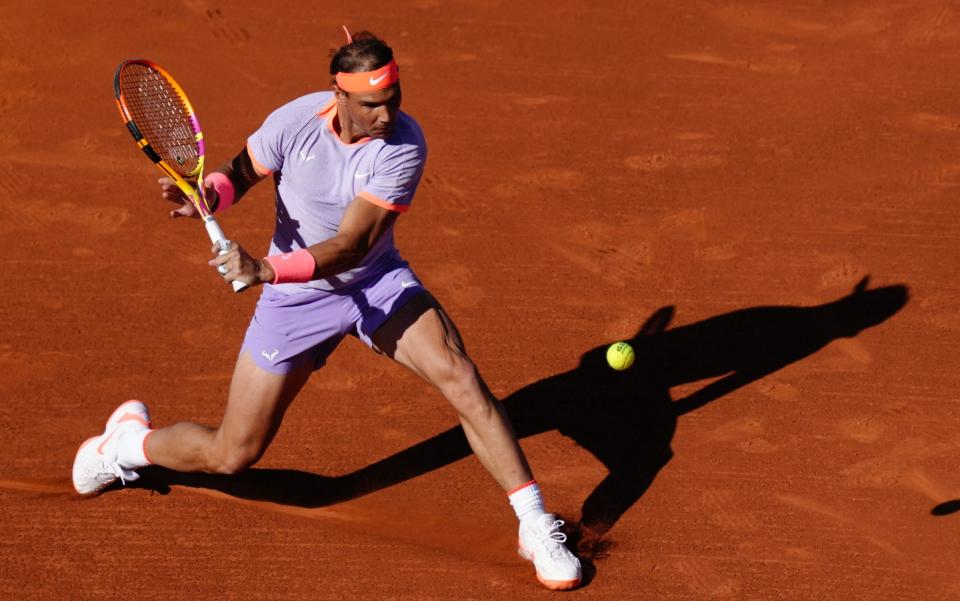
(265, 146)
(396, 177)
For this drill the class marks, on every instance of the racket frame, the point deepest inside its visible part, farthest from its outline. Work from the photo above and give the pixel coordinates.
(194, 193)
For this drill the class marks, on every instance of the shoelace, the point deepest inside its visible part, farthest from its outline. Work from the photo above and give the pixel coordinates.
(114, 468)
(552, 538)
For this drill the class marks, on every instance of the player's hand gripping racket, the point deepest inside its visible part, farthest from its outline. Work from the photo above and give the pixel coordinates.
(158, 114)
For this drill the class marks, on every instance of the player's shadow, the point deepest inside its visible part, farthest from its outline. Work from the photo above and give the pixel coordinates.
(627, 419)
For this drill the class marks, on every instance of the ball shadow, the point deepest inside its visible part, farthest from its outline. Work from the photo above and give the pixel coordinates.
(946, 508)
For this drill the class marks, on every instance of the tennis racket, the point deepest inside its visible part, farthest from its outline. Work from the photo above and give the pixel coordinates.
(161, 119)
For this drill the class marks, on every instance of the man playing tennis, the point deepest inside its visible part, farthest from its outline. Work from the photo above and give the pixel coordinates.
(345, 165)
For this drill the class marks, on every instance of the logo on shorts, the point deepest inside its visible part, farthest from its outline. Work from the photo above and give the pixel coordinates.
(408, 284)
(361, 175)
(271, 355)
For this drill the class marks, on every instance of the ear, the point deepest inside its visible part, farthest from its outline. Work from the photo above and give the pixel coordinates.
(340, 94)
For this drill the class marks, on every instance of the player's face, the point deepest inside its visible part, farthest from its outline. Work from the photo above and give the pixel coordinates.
(374, 114)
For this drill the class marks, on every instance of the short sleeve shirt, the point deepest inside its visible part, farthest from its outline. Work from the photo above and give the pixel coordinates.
(317, 175)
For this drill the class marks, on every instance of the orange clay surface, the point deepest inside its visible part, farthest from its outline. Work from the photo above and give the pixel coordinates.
(762, 196)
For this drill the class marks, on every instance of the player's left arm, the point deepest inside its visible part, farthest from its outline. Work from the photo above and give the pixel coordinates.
(241, 171)
(243, 174)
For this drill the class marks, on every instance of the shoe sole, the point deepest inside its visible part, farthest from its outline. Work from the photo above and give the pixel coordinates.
(553, 585)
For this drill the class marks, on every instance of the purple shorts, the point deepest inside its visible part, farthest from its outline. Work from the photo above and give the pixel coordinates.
(288, 330)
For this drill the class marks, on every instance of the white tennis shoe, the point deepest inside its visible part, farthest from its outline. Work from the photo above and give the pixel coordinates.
(96, 466)
(542, 542)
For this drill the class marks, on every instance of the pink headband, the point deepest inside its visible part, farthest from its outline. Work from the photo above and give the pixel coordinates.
(368, 81)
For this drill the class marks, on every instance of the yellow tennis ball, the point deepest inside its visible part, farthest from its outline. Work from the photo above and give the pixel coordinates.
(620, 356)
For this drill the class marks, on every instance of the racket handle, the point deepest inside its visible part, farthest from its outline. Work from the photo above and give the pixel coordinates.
(217, 237)
(238, 286)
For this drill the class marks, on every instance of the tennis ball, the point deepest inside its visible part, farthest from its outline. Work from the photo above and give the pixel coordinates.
(620, 356)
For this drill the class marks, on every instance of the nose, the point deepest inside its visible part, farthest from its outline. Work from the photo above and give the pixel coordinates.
(386, 115)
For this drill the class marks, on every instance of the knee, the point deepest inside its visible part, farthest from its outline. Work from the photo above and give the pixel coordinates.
(233, 460)
(453, 374)
(460, 383)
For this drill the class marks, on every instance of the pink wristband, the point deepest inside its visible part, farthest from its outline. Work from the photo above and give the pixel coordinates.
(296, 266)
(224, 187)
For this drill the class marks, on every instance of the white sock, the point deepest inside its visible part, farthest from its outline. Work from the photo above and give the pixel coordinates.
(132, 449)
(527, 501)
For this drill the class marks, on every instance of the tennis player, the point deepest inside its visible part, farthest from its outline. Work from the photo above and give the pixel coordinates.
(345, 164)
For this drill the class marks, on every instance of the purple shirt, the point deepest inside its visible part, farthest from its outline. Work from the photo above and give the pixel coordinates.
(316, 175)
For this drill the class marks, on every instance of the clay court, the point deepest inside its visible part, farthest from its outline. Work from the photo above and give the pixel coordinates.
(760, 196)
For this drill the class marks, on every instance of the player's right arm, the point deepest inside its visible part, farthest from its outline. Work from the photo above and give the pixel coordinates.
(243, 174)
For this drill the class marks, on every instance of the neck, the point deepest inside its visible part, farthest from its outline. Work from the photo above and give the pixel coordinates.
(345, 128)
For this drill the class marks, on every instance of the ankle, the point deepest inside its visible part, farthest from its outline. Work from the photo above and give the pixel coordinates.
(132, 449)
(527, 502)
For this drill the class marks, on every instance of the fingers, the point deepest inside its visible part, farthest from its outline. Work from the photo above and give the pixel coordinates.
(227, 261)
(235, 264)
(186, 210)
(170, 191)
(222, 251)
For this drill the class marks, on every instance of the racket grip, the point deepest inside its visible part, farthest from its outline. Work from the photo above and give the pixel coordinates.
(237, 285)
(216, 234)
(217, 237)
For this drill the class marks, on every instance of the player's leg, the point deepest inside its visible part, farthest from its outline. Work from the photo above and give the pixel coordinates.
(422, 336)
(256, 404)
(255, 407)
(269, 373)
(272, 368)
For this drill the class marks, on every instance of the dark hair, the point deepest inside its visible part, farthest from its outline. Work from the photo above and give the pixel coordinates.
(365, 53)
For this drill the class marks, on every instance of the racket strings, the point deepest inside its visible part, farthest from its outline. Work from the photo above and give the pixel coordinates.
(158, 110)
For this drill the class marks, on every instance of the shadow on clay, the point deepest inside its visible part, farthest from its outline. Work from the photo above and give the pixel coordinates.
(946, 508)
(626, 419)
